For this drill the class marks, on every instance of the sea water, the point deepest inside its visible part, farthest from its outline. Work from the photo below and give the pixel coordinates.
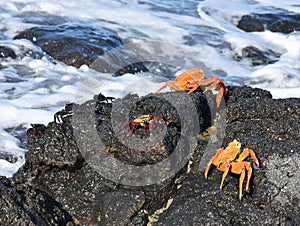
(184, 34)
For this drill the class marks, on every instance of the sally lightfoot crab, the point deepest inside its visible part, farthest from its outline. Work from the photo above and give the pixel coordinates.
(231, 160)
(193, 79)
(144, 121)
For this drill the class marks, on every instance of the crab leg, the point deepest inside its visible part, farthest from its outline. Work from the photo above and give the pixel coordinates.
(215, 83)
(171, 85)
(193, 87)
(219, 97)
(245, 153)
(212, 81)
(241, 181)
(249, 173)
(226, 168)
(163, 87)
(156, 121)
(241, 168)
(253, 156)
(219, 151)
(122, 127)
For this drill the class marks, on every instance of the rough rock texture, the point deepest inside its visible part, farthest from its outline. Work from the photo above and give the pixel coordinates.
(88, 197)
(279, 22)
(271, 128)
(150, 151)
(22, 204)
(59, 186)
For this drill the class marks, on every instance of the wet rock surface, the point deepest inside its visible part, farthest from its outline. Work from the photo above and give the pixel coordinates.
(99, 48)
(257, 56)
(73, 45)
(60, 185)
(7, 52)
(279, 22)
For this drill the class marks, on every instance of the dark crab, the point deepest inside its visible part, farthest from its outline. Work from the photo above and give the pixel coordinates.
(102, 102)
(102, 99)
(63, 115)
(66, 114)
(36, 130)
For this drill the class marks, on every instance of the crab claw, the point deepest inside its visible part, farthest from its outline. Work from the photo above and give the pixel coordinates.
(212, 83)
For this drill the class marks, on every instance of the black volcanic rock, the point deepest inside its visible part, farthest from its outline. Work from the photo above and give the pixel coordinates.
(271, 128)
(279, 22)
(236, 93)
(7, 52)
(60, 185)
(22, 204)
(82, 45)
(72, 181)
(73, 45)
(259, 57)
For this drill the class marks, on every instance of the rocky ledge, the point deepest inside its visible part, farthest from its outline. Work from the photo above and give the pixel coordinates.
(59, 185)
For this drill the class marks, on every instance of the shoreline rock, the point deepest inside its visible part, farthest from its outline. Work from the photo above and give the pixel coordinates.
(72, 44)
(58, 186)
(81, 45)
(285, 22)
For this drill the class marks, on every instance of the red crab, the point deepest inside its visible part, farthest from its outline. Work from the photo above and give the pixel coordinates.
(145, 121)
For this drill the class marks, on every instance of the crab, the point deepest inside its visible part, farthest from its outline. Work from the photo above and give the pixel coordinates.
(144, 121)
(36, 130)
(66, 113)
(231, 160)
(193, 79)
(100, 98)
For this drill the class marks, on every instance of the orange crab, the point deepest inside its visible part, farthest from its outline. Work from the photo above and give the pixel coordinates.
(193, 79)
(231, 160)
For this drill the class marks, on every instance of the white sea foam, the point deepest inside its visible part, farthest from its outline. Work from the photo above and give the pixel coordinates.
(10, 144)
(33, 87)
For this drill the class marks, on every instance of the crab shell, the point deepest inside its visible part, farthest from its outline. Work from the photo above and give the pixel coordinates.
(185, 81)
(193, 79)
(231, 160)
